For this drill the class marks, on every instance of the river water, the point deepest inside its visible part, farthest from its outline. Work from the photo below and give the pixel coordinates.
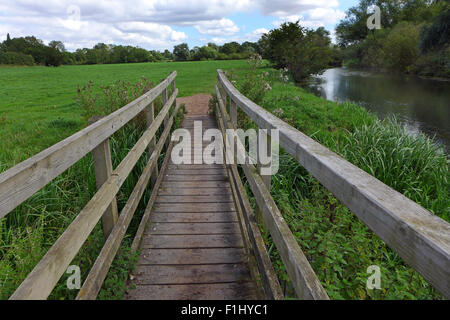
(423, 105)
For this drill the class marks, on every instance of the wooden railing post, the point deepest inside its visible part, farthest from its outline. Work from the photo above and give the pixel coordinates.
(233, 113)
(223, 93)
(266, 178)
(165, 98)
(103, 170)
(150, 116)
(175, 103)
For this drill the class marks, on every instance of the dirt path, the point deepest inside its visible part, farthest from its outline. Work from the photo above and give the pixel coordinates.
(196, 105)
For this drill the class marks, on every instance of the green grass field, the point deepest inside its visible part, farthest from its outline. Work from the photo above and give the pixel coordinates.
(38, 107)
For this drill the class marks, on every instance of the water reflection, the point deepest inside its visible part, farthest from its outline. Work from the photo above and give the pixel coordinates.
(422, 104)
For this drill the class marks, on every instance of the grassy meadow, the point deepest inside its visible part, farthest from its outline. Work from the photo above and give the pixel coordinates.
(38, 107)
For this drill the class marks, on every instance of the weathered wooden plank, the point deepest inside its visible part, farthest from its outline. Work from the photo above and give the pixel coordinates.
(193, 241)
(192, 256)
(22, 181)
(191, 217)
(202, 178)
(196, 166)
(205, 123)
(216, 291)
(419, 237)
(193, 207)
(198, 172)
(304, 280)
(219, 198)
(197, 116)
(98, 273)
(191, 121)
(191, 274)
(41, 281)
(194, 192)
(196, 184)
(193, 228)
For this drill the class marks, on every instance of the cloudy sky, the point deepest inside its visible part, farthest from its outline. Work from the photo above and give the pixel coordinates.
(160, 24)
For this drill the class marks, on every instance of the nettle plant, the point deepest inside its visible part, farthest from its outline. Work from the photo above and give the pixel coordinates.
(255, 85)
(111, 97)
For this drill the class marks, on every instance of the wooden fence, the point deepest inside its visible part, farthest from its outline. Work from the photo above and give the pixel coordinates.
(22, 181)
(421, 239)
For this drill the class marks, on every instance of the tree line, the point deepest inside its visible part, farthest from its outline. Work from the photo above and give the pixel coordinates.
(414, 37)
(211, 51)
(32, 51)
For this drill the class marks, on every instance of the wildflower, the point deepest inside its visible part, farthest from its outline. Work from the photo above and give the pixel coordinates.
(278, 113)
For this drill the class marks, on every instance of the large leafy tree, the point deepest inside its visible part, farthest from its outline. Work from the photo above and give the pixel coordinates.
(437, 34)
(303, 51)
(181, 52)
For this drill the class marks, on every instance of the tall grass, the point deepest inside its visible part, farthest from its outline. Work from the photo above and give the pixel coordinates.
(338, 245)
(411, 164)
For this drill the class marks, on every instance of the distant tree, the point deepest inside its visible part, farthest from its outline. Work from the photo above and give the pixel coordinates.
(401, 47)
(213, 46)
(53, 57)
(168, 55)
(57, 45)
(303, 51)
(204, 53)
(181, 52)
(249, 47)
(8, 40)
(437, 34)
(230, 48)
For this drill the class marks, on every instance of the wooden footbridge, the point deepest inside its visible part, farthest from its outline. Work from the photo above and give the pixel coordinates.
(199, 237)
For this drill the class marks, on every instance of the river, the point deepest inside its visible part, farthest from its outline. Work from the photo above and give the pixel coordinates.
(423, 105)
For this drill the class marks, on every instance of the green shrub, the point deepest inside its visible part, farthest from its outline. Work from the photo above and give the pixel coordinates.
(401, 47)
(16, 58)
(303, 51)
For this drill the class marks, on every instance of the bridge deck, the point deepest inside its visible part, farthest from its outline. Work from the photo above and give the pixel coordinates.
(193, 247)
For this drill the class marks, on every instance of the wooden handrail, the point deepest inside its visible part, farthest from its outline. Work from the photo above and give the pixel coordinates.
(268, 275)
(420, 238)
(304, 280)
(41, 281)
(22, 181)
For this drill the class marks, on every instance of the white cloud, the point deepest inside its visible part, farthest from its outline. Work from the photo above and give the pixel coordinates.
(253, 36)
(223, 27)
(152, 24)
(152, 30)
(314, 18)
(283, 8)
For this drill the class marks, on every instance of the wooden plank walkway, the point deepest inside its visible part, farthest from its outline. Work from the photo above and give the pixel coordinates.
(193, 247)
